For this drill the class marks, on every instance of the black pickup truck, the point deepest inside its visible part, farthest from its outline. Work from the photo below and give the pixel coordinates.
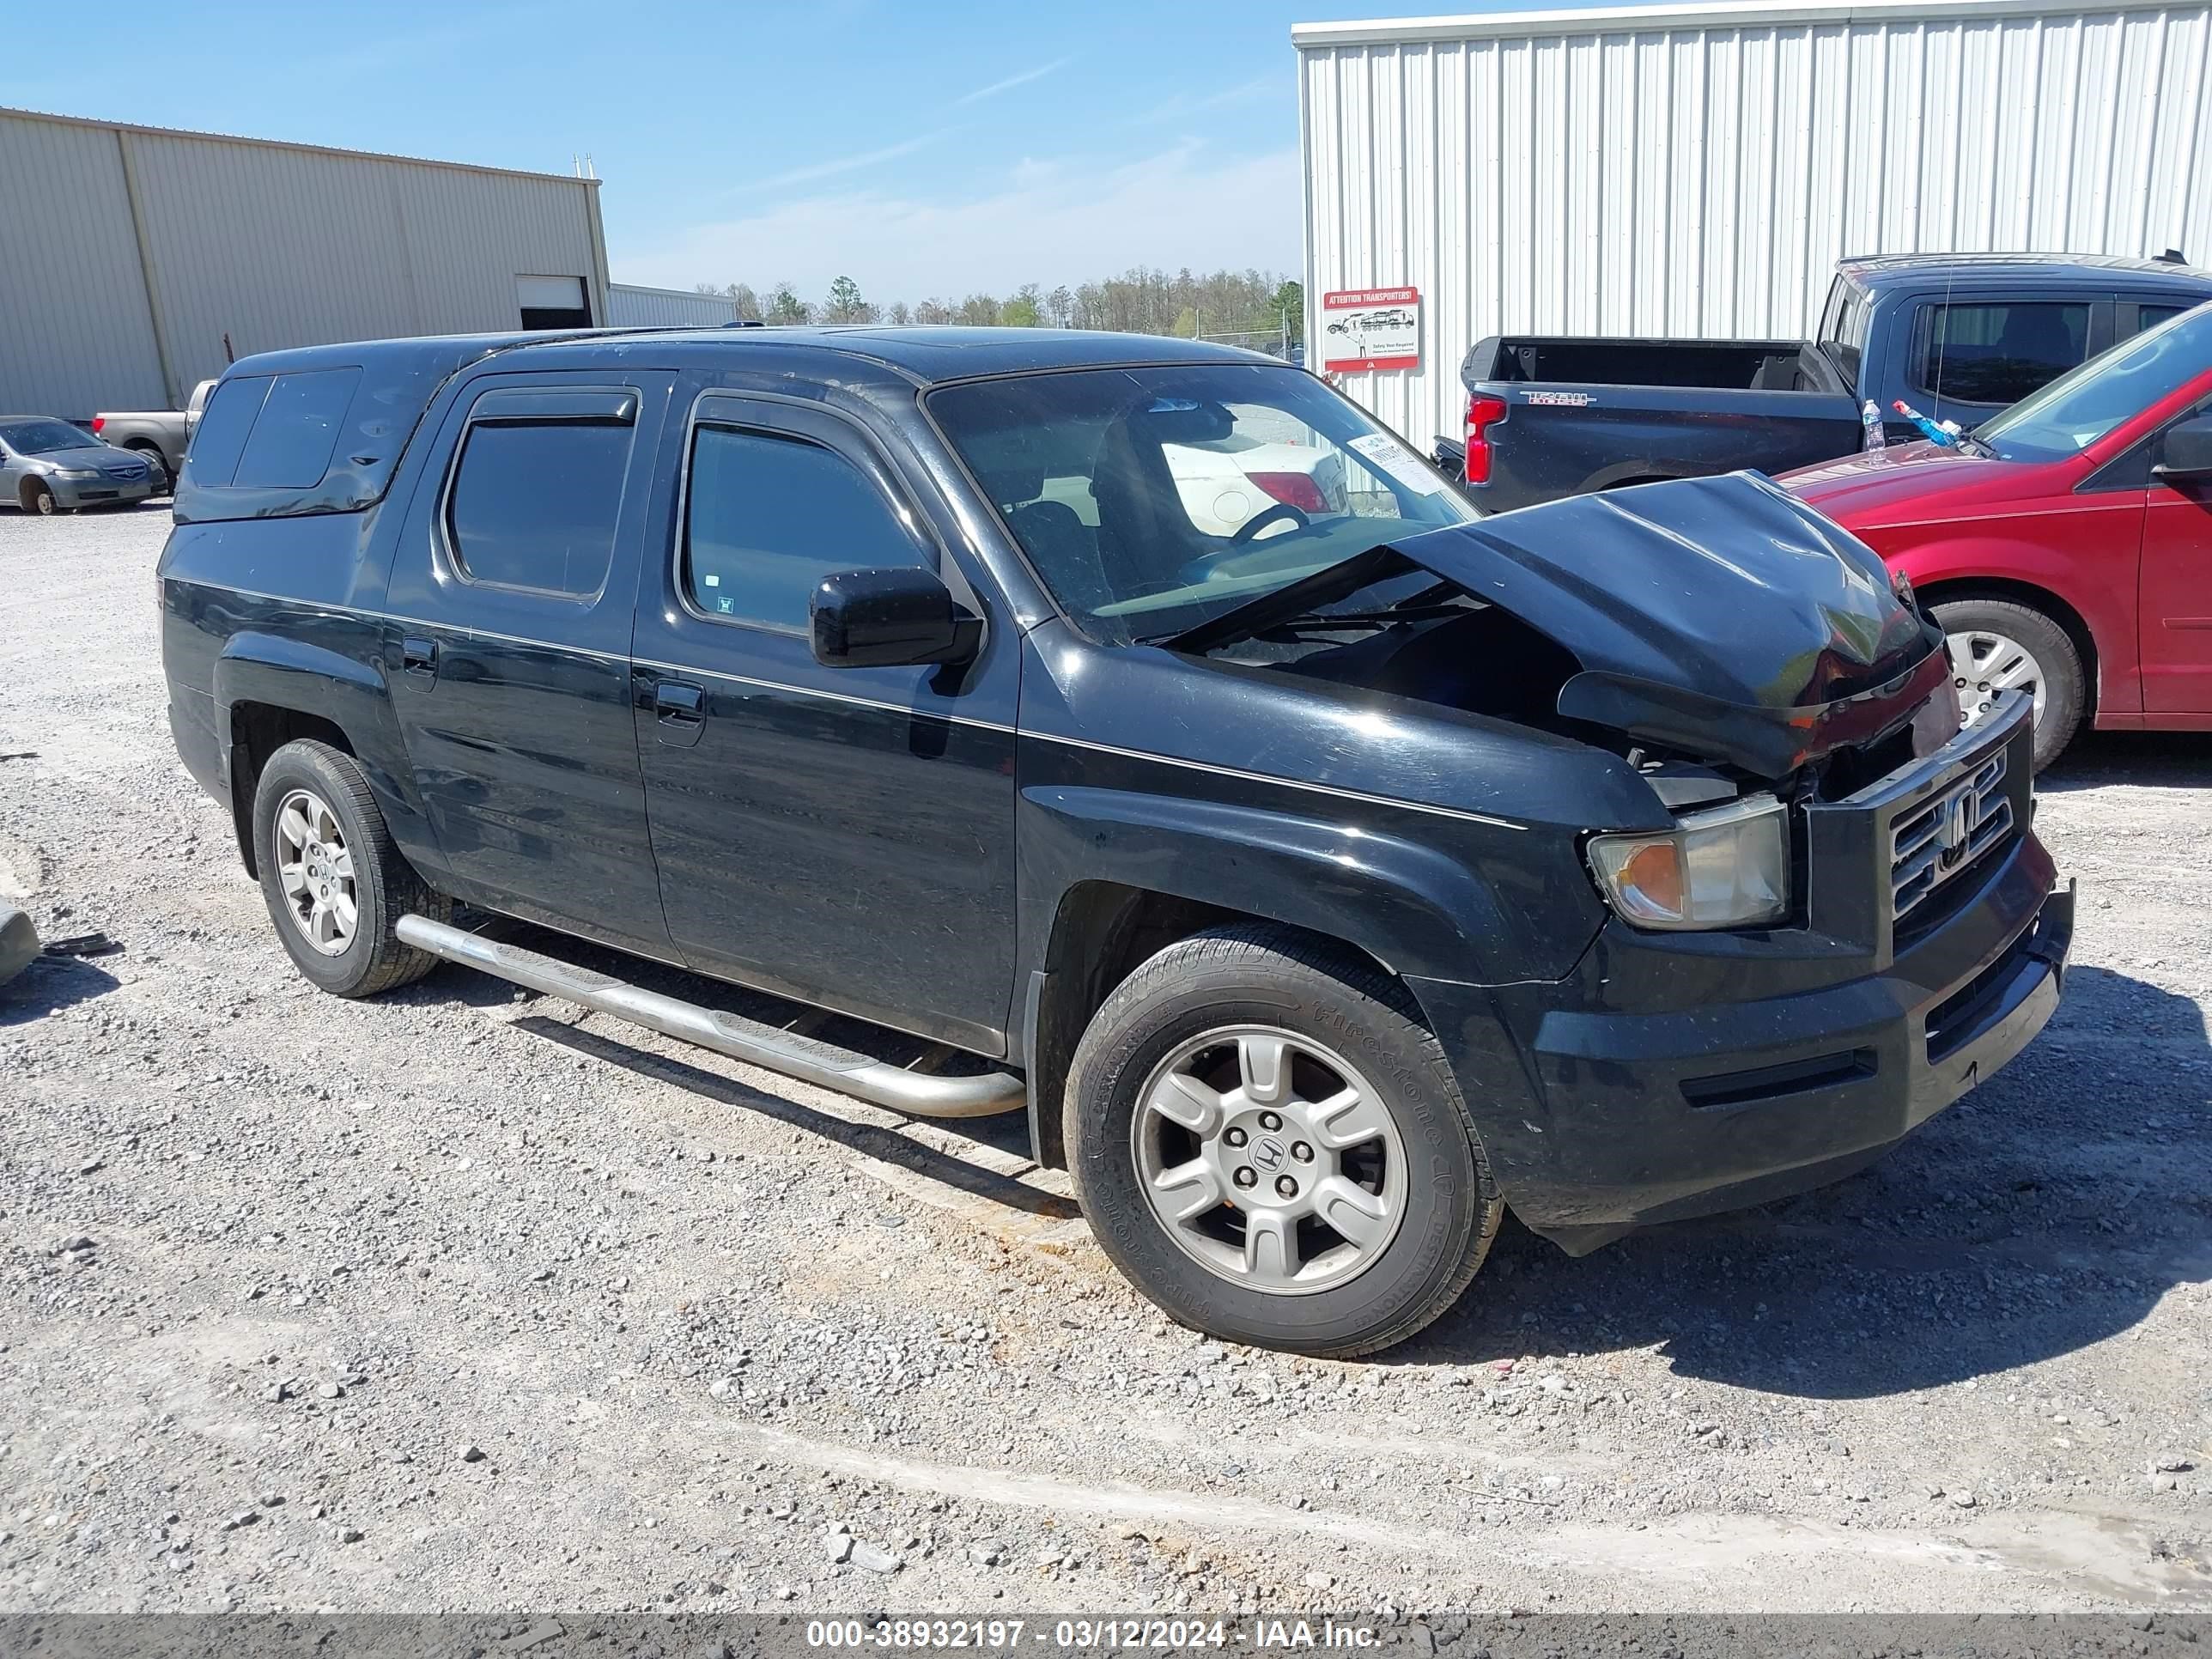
(1958, 336)
(1318, 888)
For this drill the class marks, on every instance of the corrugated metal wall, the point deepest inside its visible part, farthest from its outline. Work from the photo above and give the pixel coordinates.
(73, 307)
(631, 306)
(271, 244)
(1687, 172)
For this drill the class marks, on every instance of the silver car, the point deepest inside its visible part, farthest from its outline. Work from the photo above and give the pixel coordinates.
(49, 466)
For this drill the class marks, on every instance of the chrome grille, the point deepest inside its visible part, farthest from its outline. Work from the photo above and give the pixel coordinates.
(1933, 842)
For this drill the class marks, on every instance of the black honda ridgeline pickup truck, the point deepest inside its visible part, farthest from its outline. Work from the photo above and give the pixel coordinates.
(1145, 730)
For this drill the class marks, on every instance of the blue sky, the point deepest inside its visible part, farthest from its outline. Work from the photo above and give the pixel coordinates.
(923, 150)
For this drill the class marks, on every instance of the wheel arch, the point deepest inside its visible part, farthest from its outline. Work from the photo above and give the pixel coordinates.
(1101, 933)
(1111, 876)
(270, 689)
(2012, 590)
(257, 731)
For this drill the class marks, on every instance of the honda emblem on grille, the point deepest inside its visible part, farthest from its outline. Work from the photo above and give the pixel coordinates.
(1960, 814)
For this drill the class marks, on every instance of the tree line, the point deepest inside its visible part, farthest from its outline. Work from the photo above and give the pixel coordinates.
(1140, 301)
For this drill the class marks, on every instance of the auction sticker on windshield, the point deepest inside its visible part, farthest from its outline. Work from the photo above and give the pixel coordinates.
(1399, 462)
(1365, 328)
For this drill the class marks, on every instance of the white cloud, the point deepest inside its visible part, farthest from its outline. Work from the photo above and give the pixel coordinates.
(1183, 106)
(849, 163)
(1012, 82)
(1047, 225)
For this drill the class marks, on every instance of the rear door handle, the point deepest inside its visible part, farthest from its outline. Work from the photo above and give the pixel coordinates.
(419, 656)
(679, 712)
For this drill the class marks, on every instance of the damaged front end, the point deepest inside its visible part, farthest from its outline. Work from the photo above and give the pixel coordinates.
(1836, 918)
(1708, 622)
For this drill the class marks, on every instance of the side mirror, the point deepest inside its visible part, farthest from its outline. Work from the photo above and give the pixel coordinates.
(2186, 456)
(889, 619)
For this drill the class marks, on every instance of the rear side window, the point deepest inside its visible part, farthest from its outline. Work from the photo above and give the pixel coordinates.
(1997, 353)
(271, 431)
(534, 502)
(770, 516)
(291, 444)
(219, 438)
(1844, 326)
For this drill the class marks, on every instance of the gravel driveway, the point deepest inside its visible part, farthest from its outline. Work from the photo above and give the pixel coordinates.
(456, 1299)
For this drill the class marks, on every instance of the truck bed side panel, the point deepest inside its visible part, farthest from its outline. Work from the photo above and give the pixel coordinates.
(1559, 441)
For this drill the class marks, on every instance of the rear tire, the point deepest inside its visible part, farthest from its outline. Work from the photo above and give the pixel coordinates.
(1265, 1264)
(335, 883)
(1998, 645)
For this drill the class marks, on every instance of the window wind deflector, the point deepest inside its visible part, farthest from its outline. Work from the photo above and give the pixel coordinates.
(557, 405)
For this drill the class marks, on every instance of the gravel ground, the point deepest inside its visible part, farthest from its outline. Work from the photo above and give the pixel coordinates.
(454, 1300)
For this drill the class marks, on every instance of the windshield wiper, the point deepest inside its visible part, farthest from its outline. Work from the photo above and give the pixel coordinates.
(1332, 581)
(1411, 610)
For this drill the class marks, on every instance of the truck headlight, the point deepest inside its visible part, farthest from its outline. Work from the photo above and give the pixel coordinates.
(1729, 867)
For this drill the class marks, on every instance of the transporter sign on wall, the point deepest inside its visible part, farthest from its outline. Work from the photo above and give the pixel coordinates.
(1363, 328)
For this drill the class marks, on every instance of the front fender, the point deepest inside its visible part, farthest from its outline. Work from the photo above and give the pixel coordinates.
(1417, 910)
(2104, 606)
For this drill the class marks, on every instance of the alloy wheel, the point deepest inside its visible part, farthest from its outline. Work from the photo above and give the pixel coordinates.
(1984, 664)
(315, 868)
(1270, 1160)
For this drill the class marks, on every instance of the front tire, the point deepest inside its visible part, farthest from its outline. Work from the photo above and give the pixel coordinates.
(1269, 1143)
(1997, 646)
(40, 499)
(335, 883)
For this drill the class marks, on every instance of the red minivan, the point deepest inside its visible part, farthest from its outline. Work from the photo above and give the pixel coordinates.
(2066, 545)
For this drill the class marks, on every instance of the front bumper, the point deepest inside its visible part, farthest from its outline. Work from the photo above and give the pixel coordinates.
(1681, 1075)
(75, 493)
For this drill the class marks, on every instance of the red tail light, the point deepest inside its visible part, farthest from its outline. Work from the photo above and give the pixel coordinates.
(1481, 413)
(1292, 490)
(98, 422)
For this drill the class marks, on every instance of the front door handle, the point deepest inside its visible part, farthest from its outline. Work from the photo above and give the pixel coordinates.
(679, 712)
(419, 656)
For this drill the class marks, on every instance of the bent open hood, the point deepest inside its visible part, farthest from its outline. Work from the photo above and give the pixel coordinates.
(1717, 616)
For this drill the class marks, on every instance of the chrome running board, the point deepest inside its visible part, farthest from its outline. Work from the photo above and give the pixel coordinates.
(878, 1082)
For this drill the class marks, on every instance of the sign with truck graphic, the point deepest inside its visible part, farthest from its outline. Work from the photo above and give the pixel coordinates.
(1371, 328)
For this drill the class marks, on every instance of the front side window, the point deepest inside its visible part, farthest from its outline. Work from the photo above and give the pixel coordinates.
(1998, 353)
(1150, 500)
(769, 516)
(534, 503)
(2071, 413)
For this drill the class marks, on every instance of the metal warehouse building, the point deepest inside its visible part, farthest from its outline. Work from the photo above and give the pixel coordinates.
(137, 261)
(1692, 170)
(631, 306)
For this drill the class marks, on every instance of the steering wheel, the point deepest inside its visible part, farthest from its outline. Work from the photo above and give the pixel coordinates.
(1267, 515)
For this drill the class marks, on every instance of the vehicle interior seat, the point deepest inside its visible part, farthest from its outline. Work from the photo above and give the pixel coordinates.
(1131, 486)
(1054, 533)
(2037, 334)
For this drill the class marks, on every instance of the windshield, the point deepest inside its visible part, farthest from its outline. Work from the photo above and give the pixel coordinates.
(44, 437)
(2081, 406)
(1153, 499)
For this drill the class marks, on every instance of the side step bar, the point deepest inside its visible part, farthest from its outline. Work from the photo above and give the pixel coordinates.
(878, 1082)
